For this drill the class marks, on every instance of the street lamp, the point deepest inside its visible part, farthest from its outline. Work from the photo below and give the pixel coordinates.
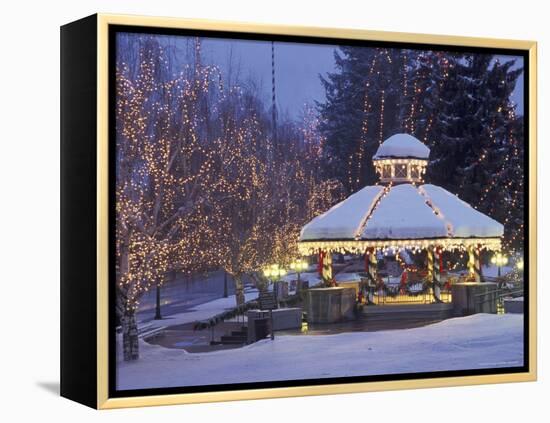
(500, 260)
(519, 265)
(298, 266)
(274, 273)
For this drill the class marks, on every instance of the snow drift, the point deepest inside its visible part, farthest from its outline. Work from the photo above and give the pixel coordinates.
(474, 342)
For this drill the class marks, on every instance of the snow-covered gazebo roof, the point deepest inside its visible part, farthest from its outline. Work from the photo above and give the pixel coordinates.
(402, 146)
(406, 214)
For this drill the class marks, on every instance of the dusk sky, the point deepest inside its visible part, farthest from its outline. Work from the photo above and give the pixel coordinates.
(297, 68)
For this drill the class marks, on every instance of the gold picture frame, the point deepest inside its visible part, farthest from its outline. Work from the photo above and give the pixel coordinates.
(102, 399)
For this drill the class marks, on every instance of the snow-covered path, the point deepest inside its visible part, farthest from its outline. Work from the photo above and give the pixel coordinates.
(473, 342)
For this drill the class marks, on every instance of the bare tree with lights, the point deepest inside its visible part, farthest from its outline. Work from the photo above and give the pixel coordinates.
(199, 184)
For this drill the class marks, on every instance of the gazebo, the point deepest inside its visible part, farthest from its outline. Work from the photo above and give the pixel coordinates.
(401, 212)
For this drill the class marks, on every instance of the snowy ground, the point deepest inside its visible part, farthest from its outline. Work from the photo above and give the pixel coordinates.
(473, 342)
(209, 309)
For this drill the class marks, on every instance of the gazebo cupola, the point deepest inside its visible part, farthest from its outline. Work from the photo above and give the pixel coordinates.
(401, 159)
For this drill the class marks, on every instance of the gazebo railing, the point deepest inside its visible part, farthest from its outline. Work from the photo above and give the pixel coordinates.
(382, 297)
(419, 292)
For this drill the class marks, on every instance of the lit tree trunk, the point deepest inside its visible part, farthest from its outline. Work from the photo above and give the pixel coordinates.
(158, 315)
(239, 289)
(126, 314)
(130, 336)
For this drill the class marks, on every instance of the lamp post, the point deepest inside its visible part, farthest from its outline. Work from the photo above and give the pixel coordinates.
(519, 265)
(500, 260)
(225, 290)
(158, 315)
(274, 273)
(298, 266)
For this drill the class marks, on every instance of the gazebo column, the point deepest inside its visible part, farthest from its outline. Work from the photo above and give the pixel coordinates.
(437, 273)
(320, 263)
(372, 264)
(327, 266)
(474, 262)
(477, 255)
(430, 260)
(434, 271)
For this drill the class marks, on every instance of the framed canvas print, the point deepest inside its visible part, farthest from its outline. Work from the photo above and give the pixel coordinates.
(256, 211)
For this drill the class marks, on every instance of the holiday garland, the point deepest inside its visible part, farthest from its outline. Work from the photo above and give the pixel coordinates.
(407, 288)
(404, 289)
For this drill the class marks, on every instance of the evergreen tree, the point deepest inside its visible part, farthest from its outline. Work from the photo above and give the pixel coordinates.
(476, 143)
(364, 107)
(456, 103)
(503, 195)
(452, 121)
(513, 179)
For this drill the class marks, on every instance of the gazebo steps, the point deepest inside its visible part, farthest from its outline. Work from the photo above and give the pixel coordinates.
(435, 311)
